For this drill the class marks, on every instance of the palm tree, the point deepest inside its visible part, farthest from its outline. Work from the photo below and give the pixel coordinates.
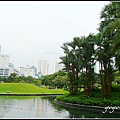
(109, 31)
(74, 64)
(68, 61)
(79, 62)
(99, 57)
(111, 28)
(88, 62)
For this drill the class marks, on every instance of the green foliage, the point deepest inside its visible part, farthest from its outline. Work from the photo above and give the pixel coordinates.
(117, 77)
(116, 88)
(29, 79)
(57, 80)
(79, 59)
(22, 81)
(14, 78)
(37, 82)
(95, 100)
(3, 79)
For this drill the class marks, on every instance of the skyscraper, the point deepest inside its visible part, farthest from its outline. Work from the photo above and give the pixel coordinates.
(57, 66)
(4, 60)
(43, 67)
(0, 49)
(6, 68)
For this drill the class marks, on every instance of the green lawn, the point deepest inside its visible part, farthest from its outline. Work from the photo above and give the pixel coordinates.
(27, 88)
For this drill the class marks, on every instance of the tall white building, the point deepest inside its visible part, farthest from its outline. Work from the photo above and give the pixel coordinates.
(57, 66)
(6, 68)
(4, 60)
(96, 67)
(43, 67)
(28, 71)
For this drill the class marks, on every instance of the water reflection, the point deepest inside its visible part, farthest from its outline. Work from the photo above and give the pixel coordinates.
(42, 107)
(81, 113)
(29, 107)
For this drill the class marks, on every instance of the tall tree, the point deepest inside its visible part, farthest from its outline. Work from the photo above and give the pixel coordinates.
(80, 58)
(109, 29)
(88, 62)
(68, 61)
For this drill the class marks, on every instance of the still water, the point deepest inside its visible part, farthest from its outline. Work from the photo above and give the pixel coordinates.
(42, 107)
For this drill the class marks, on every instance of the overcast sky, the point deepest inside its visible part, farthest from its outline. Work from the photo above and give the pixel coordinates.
(36, 30)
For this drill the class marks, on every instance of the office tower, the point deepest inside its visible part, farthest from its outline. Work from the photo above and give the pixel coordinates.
(0, 49)
(6, 68)
(43, 67)
(4, 60)
(96, 67)
(57, 66)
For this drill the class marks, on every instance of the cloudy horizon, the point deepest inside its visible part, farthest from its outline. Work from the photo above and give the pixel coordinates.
(36, 30)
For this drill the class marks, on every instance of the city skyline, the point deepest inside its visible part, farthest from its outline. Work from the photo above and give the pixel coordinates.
(34, 30)
(42, 68)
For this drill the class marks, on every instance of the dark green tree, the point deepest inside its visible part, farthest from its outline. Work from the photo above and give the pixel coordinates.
(109, 34)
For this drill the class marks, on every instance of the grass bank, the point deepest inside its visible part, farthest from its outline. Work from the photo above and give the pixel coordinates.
(27, 88)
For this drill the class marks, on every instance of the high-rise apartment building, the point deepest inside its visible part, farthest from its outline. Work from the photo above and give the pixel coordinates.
(6, 68)
(4, 60)
(57, 66)
(96, 67)
(43, 67)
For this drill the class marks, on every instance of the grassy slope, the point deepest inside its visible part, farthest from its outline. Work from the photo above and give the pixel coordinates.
(27, 88)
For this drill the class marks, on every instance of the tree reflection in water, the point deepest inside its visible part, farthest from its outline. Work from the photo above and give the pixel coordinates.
(43, 107)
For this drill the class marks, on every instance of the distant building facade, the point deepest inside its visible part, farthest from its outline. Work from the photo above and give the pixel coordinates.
(57, 66)
(28, 71)
(43, 67)
(4, 60)
(6, 68)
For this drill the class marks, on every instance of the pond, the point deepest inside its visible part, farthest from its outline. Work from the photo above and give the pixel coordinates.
(42, 107)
